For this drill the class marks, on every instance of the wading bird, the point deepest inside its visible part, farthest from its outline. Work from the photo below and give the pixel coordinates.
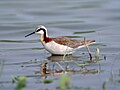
(59, 45)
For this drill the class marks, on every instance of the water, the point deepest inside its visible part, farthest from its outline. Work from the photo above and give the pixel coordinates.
(20, 56)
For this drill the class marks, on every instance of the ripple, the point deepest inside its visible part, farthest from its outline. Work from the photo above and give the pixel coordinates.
(19, 41)
(83, 32)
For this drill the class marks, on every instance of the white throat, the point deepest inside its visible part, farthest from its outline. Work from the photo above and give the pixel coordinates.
(42, 33)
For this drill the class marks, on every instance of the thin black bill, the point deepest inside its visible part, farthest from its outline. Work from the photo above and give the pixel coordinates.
(30, 34)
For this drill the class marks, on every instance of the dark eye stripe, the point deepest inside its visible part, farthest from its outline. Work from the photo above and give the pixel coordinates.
(38, 29)
(42, 29)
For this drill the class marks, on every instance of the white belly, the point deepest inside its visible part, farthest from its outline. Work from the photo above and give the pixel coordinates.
(55, 48)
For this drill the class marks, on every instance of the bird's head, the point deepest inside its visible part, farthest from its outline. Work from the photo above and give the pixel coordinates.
(39, 30)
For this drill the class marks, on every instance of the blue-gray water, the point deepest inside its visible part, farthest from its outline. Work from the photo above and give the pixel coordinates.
(62, 18)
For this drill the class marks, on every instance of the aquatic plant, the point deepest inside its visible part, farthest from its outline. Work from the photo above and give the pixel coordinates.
(104, 85)
(47, 81)
(97, 54)
(64, 82)
(20, 81)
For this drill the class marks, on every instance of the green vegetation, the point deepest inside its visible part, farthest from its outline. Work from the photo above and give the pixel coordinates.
(104, 85)
(47, 81)
(20, 81)
(64, 82)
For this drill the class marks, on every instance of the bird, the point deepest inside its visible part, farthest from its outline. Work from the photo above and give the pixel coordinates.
(60, 45)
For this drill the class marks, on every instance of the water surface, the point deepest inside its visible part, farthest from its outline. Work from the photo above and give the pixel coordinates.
(93, 19)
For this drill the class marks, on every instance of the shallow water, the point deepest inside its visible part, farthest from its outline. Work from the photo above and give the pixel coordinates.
(93, 19)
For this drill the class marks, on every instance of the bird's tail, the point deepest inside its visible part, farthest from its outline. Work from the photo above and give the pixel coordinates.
(89, 42)
(86, 42)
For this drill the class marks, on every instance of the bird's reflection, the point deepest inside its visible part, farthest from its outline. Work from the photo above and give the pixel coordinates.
(54, 58)
(57, 65)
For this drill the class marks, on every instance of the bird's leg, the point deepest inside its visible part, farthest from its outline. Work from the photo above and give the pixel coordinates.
(88, 49)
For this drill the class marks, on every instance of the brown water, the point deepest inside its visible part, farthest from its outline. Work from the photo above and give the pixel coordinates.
(94, 19)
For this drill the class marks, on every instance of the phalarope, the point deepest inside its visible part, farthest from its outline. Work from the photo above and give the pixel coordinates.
(59, 45)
